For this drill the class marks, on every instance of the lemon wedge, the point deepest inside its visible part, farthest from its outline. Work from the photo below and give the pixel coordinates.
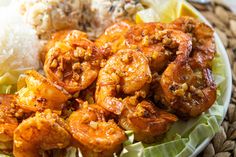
(159, 10)
(147, 15)
(187, 11)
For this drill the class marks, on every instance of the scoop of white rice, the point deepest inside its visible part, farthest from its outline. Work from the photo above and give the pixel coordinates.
(19, 44)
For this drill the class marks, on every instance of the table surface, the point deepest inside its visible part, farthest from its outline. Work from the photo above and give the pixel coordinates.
(230, 3)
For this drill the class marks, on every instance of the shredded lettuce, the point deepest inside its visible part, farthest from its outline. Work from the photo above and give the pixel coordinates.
(9, 79)
(6, 89)
(71, 152)
(2, 155)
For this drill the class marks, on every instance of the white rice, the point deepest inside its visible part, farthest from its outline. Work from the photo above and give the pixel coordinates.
(19, 44)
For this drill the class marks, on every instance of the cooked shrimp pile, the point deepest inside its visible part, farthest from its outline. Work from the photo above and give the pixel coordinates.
(137, 77)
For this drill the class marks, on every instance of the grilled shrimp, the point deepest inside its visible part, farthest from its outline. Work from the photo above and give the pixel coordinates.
(113, 38)
(58, 36)
(146, 120)
(188, 91)
(93, 133)
(44, 131)
(40, 94)
(204, 48)
(8, 121)
(159, 43)
(125, 72)
(73, 62)
(187, 85)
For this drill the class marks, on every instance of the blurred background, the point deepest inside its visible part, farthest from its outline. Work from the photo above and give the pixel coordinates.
(230, 3)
